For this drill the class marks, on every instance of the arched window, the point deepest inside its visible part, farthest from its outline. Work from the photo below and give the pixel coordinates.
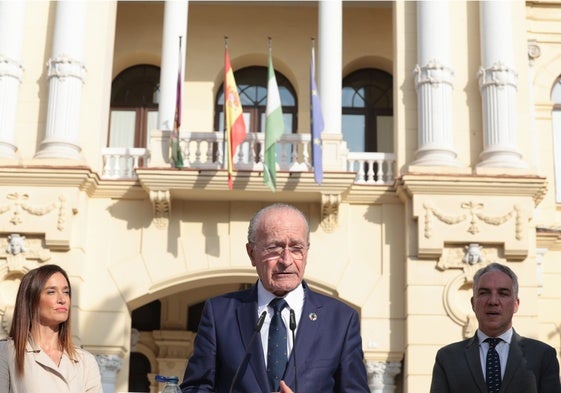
(134, 106)
(556, 128)
(367, 102)
(252, 88)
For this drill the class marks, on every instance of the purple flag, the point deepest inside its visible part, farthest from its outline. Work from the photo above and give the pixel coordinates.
(317, 124)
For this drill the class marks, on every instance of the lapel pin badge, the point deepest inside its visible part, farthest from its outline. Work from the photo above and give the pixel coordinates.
(313, 316)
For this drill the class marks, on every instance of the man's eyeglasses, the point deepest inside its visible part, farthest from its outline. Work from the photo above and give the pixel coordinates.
(275, 252)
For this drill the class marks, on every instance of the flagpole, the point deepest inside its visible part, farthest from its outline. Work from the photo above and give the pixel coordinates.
(177, 155)
(274, 124)
(225, 143)
(316, 122)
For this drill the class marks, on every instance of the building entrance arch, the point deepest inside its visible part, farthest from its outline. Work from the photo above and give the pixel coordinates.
(164, 323)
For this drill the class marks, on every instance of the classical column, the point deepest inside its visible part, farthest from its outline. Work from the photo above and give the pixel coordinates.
(175, 27)
(381, 376)
(12, 17)
(330, 72)
(109, 366)
(498, 86)
(434, 83)
(66, 73)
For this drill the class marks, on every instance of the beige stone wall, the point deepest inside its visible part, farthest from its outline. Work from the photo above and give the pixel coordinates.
(395, 253)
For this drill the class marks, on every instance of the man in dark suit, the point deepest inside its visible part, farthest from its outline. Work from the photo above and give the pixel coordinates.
(231, 351)
(496, 359)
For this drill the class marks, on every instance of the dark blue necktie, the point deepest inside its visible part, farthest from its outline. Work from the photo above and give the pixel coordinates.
(276, 350)
(493, 366)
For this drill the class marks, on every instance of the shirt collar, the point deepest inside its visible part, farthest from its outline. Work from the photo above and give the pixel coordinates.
(294, 298)
(506, 336)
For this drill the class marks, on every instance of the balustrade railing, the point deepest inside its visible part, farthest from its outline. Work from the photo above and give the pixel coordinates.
(120, 162)
(205, 150)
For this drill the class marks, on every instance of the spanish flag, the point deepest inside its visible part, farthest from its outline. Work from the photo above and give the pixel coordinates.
(235, 124)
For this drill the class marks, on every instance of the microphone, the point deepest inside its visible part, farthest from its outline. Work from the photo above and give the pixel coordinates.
(293, 328)
(256, 330)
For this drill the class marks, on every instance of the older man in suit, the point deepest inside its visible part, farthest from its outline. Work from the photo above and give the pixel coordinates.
(237, 348)
(496, 359)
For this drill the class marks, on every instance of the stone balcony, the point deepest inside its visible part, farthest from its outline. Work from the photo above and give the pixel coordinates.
(205, 151)
(354, 176)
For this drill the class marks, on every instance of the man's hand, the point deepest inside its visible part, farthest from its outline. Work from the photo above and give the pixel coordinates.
(283, 388)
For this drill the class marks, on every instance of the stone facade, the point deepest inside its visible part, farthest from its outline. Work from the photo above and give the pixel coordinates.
(471, 178)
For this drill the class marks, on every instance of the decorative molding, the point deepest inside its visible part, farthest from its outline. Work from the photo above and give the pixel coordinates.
(534, 50)
(473, 216)
(330, 211)
(434, 73)
(11, 68)
(109, 364)
(64, 67)
(18, 255)
(161, 204)
(499, 75)
(381, 375)
(21, 254)
(465, 256)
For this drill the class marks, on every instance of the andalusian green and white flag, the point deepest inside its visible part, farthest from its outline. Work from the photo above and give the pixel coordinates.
(274, 128)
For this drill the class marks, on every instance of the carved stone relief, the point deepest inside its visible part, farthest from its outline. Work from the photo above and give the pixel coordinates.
(459, 220)
(40, 212)
(330, 211)
(18, 255)
(161, 205)
(457, 291)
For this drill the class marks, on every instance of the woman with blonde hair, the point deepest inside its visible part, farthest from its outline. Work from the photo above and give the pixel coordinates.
(39, 355)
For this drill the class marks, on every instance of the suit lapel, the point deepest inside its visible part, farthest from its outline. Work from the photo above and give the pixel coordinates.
(474, 363)
(513, 362)
(247, 319)
(306, 337)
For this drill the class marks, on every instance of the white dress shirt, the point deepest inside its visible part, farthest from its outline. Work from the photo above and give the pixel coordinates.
(502, 349)
(295, 301)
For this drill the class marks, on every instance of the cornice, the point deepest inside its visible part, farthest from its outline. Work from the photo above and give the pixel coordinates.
(165, 185)
(534, 187)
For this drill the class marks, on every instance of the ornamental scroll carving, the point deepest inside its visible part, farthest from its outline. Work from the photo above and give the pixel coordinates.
(475, 215)
(161, 205)
(48, 214)
(19, 204)
(330, 211)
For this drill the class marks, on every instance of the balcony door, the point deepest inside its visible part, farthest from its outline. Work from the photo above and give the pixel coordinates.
(252, 88)
(367, 102)
(134, 106)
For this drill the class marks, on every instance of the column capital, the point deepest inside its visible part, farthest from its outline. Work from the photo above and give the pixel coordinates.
(381, 375)
(109, 364)
(434, 72)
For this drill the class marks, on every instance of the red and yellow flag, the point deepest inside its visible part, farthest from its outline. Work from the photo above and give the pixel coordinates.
(235, 124)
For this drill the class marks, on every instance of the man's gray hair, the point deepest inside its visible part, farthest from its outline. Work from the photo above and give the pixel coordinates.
(496, 267)
(255, 220)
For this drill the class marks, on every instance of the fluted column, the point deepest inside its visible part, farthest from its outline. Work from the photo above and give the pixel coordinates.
(381, 376)
(330, 72)
(109, 367)
(434, 83)
(175, 26)
(12, 17)
(65, 72)
(498, 82)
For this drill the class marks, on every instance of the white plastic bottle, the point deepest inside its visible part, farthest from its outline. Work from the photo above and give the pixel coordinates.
(171, 384)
